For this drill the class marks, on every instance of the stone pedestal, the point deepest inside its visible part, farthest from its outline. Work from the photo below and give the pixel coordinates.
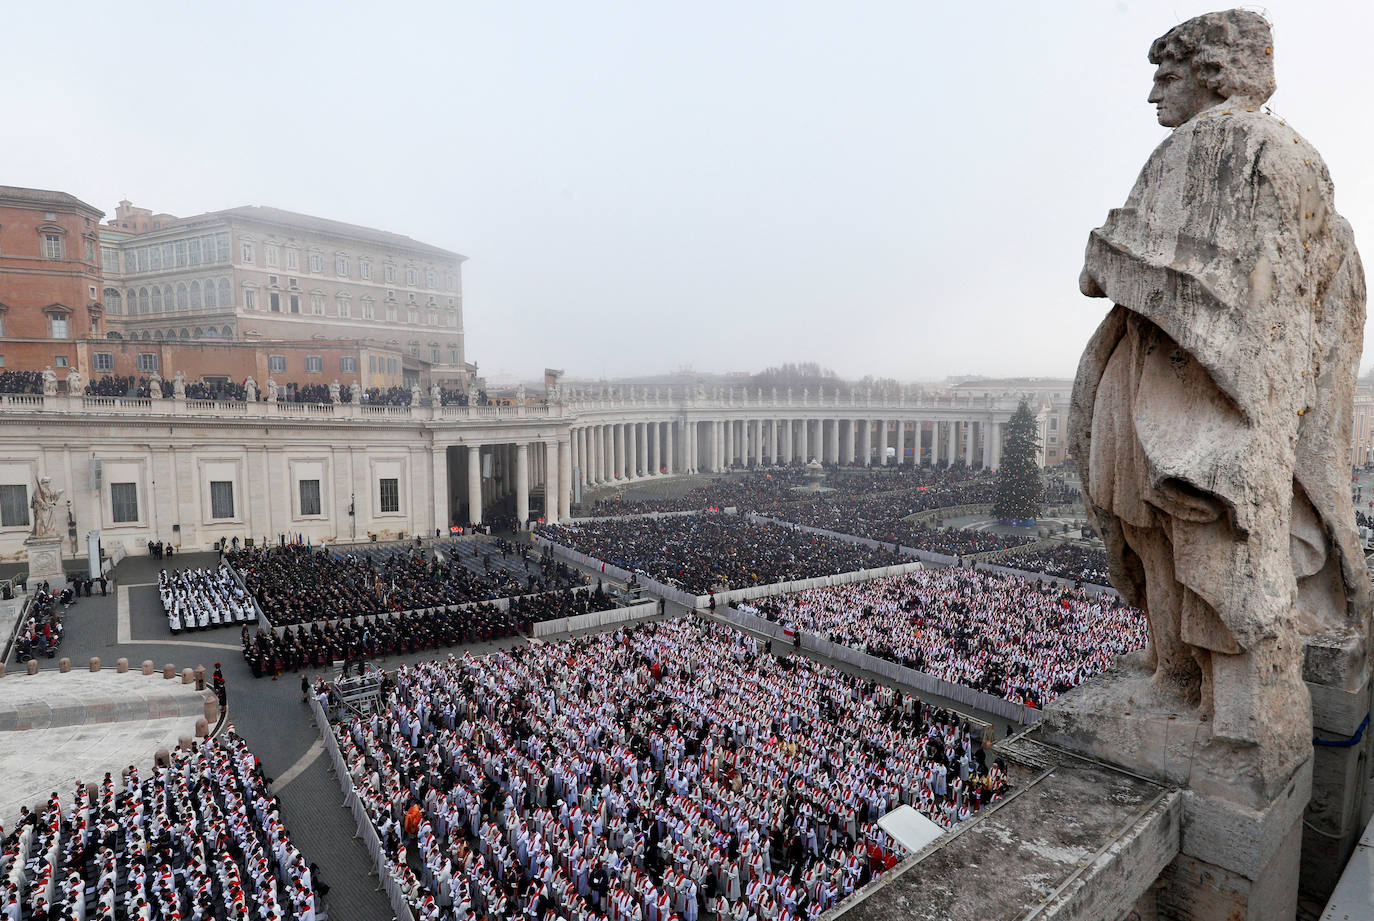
(1241, 832)
(45, 560)
(1336, 670)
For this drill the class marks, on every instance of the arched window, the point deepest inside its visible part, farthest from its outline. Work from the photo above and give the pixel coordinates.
(114, 301)
(157, 300)
(131, 298)
(167, 297)
(228, 333)
(156, 335)
(183, 302)
(226, 293)
(185, 333)
(143, 300)
(196, 302)
(210, 293)
(197, 333)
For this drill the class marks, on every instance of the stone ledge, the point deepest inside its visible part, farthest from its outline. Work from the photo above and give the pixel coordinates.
(1076, 841)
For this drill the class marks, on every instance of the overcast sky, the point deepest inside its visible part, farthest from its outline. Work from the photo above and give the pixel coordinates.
(900, 189)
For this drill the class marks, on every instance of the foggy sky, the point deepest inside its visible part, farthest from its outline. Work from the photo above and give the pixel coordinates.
(899, 189)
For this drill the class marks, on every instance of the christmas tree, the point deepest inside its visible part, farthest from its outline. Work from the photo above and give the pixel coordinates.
(1020, 493)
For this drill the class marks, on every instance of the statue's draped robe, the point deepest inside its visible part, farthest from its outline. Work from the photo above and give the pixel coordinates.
(1212, 408)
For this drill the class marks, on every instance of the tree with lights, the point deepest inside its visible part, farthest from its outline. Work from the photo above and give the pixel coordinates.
(1020, 493)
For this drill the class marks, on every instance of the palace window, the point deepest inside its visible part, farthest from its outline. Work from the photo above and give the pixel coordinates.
(14, 506)
(124, 502)
(310, 497)
(389, 492)
(221, 499)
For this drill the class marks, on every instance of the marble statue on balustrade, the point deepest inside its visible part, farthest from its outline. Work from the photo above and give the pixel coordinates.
(155, 386)
(250, 390)
(271, 390)
(179, 386)
(414, 394)
(334, 392)
(49, 382)
(1211, 410)
(43, 504)
(355, 393)
(75, 384)
(435, 395)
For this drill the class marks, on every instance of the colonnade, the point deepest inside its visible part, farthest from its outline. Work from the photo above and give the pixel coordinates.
(624, 452)
(516, 468)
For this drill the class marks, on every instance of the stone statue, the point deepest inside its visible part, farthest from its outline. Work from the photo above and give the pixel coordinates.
(74, 383)
(334, 392)
(155, 386)
(520, 395)
(436, 396)
(44, 506)
(414, 394)
(271, 390)
(250, 390)
(355, 393)
(49, 382)
(179, 386)
(1211, 411)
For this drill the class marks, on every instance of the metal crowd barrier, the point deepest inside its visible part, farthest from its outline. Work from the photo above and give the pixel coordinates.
(367, 832)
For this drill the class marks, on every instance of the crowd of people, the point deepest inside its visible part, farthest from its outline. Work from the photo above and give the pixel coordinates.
(198, 838)
(276, 652)
(295, 584)
(197, 599)
(1067, 561)
(712, 551)
(30, 382)
(41, 632)
(672, 771)
(1023, 641)
(114, 385)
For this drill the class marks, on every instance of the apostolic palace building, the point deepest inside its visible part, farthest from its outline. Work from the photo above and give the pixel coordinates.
(256, 373)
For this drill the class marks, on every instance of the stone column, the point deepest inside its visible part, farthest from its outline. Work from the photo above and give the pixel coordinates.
(656, 447)
(475, 483)
(915, 443)
(439, 455)
(595, 452)
(996, 445)
(785, 442)
(802, 446)
(952, 449)
(668, 446)
(551, 481)
(882, 442)
(522, 484)
(847, 443)
(617, 452)
(565, 484)
(758, 442)
(643, 439)
(968, 444)
(865, 442)
(729, 444)
(631, 451)
(935, 443)
(832, 448)
(773, 441)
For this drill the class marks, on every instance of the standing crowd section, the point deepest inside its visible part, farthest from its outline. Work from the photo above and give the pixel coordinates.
(1024, 641)
(672, 771)
(197, 838)
(198, 599)
(714, 551)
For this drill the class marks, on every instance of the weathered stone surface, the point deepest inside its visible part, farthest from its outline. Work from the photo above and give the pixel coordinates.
(1211, 416)
(1081, 838)
(1209, 404)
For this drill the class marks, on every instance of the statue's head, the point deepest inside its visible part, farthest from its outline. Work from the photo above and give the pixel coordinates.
(1210, 59)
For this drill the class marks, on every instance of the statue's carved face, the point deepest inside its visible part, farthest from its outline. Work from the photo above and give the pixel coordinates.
(1177, 93)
